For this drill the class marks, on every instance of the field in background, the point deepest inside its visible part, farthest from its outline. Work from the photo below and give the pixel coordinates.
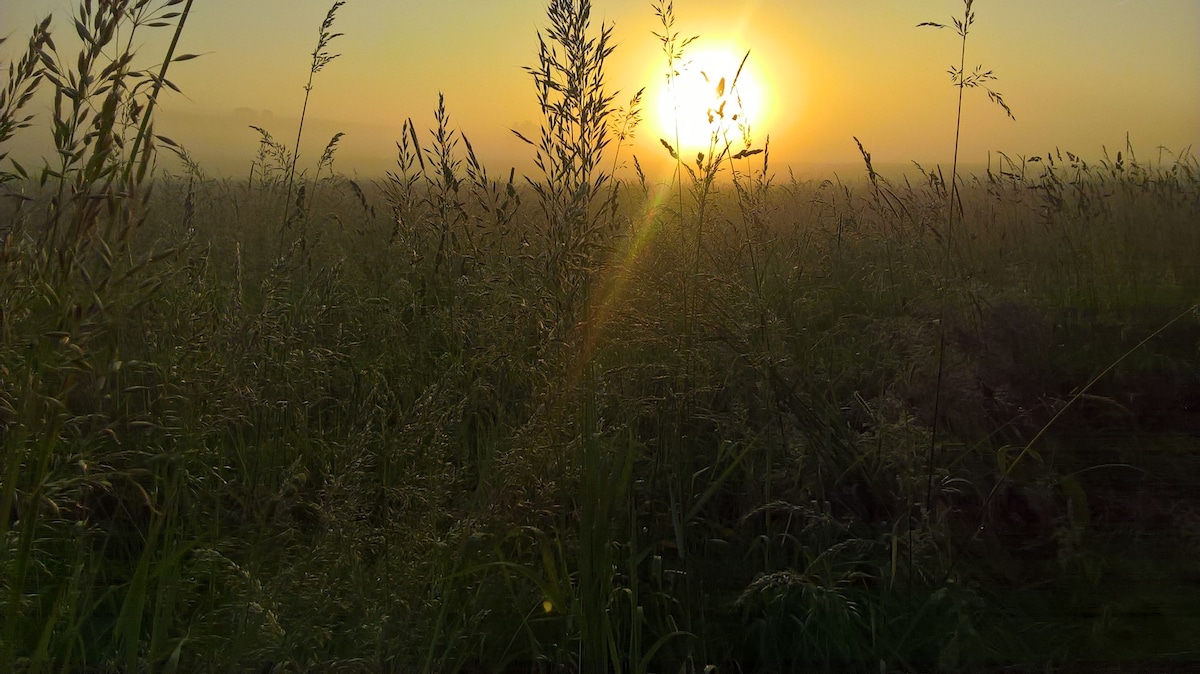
(452, 421)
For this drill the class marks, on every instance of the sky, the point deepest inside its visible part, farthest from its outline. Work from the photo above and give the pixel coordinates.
(1080, 75)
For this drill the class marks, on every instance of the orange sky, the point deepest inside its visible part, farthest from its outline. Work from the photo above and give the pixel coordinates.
(1078, 74)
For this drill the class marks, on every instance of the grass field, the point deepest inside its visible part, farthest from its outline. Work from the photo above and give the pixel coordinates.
(449, 422)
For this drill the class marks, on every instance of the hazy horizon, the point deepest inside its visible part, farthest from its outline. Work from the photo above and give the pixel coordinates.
(1079, 75)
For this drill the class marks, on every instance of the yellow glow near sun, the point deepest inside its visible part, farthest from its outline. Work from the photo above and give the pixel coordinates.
(705, 99)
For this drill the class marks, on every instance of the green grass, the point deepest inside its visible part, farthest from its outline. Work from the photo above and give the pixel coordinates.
(446, 422)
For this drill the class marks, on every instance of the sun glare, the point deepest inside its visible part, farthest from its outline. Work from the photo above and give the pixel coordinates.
(710, 99)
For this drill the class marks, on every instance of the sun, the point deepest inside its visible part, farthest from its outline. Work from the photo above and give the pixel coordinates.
(717, 96)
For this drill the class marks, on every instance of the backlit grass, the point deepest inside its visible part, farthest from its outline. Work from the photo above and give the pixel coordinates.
(455, 420)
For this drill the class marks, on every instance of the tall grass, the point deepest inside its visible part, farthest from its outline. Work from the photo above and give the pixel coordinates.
(320, 58)
(84, 525)
(962, 81)
(469, 423)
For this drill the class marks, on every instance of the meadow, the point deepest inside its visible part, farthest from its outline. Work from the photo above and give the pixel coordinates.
(454, 420)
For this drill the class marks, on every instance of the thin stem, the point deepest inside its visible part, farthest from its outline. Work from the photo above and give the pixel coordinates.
(951, 194)
(320, 60)
(287, 204)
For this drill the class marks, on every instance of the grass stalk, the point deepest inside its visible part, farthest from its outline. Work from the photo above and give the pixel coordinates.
(570, 81)
(136, 155)
(320, 59)
(962, 81)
